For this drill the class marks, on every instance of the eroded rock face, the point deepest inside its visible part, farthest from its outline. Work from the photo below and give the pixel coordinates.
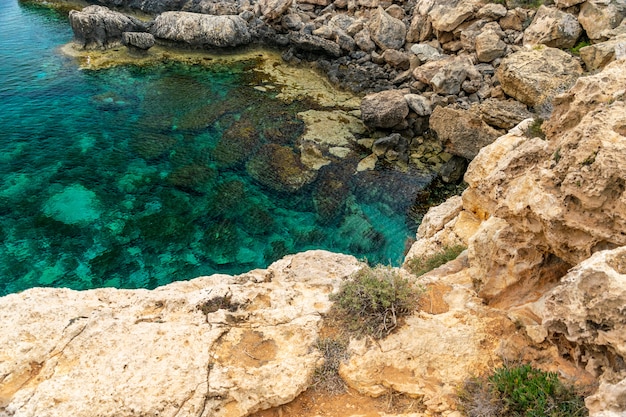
(550, 203)
(97, 27)
(598, 55)
(212, 346)
(584, 316)
(201, 30)
(535, 76)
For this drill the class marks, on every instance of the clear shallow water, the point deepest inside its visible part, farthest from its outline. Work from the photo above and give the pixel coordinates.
(136, 177)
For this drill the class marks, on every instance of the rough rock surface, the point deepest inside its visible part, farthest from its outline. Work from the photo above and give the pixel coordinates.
(199, 30)
(138, 40)
(454, 328)
(387, 31)
(551, 203)
(535, 76)
(554, 28)
(598, 17)
(212, 346)
(385, 109)
(598, 55)
(462, 132)
(586, 312)
(98, 27)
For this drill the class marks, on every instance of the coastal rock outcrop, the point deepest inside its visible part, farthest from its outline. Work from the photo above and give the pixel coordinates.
(213, 346)
(97, 27)
(200, 30)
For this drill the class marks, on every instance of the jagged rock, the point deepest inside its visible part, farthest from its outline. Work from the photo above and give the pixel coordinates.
(598, 16)
(564, 4)
(279, 168)
(396, 59)
(386, 31)
(504, 114)
(462, 132)
(421, 29)
(535, 76)
(385, 109)
(449, 79)
(138, 40)
(491, 11)
(489, 46)
(554, 28)
(447, 15)
(364, 41)
(514, 20)
(588, 92)
(213, 346)
(452, 171)
(419, 104)
(97, 27)
(274, 9)
(598, 55)
(315, 44)
(199, 30)
(551, 204)
(426, 53)
(585, 312)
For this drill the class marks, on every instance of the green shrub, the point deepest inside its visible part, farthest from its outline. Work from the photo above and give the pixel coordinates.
(520, 391)
(373, 300)
(575, 50)
(419, 266)
(534, 129)
(326, 377)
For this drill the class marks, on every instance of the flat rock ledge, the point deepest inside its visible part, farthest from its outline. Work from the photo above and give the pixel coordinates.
(213, 346)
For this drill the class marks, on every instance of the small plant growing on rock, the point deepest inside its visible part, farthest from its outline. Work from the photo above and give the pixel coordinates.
(420, 266)
(520, 391)
(326, 377)
(374, 299)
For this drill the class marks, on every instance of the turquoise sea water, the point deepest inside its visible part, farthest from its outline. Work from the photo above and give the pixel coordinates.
(136, 177)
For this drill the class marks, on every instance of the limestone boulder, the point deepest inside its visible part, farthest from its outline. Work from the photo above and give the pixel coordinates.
(489, 46)
(447, 15)
(598, 17)
(503, 114)
(385, 109)
(553, 27)
(213, 346)
(200, 30)
(97, 27)
(462, 132)
(386, 31)
(315, 44)
(421, 29)
(426, 53)
(598, 55)
(419, 104)
(274, 9)
(535, 76)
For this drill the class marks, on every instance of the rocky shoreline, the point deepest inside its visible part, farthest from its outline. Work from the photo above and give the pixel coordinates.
(465, 71)
(543, 279)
